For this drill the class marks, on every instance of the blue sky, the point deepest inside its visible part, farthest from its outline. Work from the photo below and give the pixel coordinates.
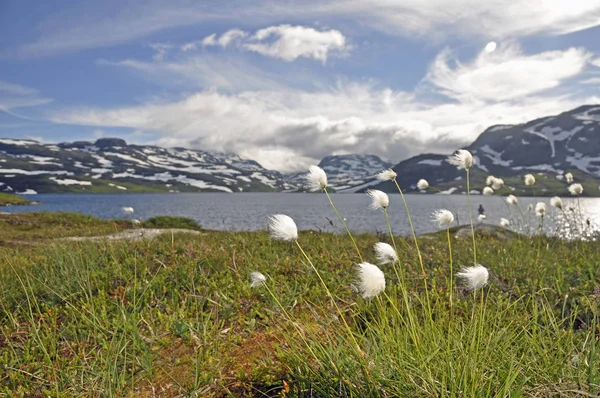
(288, 82)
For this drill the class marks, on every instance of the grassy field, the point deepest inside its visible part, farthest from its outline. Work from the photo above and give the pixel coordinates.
(176, 316)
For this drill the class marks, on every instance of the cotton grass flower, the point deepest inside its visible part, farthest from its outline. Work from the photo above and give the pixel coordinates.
(474, 277)
(540, 209)
(504, 222)
(556, 202)
(487, 191)
(481, 217)
(379, 199)
(257, 279)
(386, 175)
(371, 280)
(489, 180)
(498, 183)
(316, 178)
(462, 159)
(127, 210)
(422, 184)
(385, 253)
(575, 189)
(569, 177)
(511, 199)
(529, 179)
(282, 227)
(443, 218)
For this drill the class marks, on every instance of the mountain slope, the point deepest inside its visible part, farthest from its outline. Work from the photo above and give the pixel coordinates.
(111, 165)
(345, 172)
(547, 148)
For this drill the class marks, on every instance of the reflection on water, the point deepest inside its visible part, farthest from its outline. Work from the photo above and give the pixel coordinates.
(243, 212)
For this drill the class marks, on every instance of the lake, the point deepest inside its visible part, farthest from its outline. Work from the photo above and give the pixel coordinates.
(250, 211)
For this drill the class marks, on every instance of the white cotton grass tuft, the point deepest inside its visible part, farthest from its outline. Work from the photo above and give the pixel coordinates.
(529, 179)
(540, 209)
(487, 191)
(489, 180)
(481, 217)
(283, 227)
(462, 159)
(371, 280)
(127, 210)
(385, 253)
(576, 189)
(379, 199)
(498, 183)
(556, 202)
(257, 279)
(316, 178)
(569, 177)
(386, 175)
(504, 222)
(511, 200)
(443, 218)
(475, 277)
(422, 184)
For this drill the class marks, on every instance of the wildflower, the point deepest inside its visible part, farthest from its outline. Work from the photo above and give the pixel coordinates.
(127, 210)
(283, 227)
(481, 217)
(474, 277)
(379, 199)
(371, 280)
(504, 222)
(134, 221)
(529, 179)
(386, 175)
(540, 209)
(511, 199)
(569, 177)
(556, 202)
(316, 178)
(385, 253)
(422, 184)
(443, 218)
(530, 207)
(462, 159)
(498, 183)
(488, 191)
(489, 180)
(575, 189)
(257, 279)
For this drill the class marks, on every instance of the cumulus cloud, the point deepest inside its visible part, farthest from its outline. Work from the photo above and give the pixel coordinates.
(596, 62)
(506, 73)
(288, 128)
(290, 42)
(285, 42)
(14, 96)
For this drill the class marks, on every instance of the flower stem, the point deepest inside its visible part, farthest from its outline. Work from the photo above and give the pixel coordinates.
(344, 224)
(471, 217)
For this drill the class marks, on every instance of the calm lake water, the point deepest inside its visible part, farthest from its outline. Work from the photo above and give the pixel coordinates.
(249, 211)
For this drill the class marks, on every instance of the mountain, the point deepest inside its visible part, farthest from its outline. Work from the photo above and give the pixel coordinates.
(345, 173)
(111, 165)
(548, 148)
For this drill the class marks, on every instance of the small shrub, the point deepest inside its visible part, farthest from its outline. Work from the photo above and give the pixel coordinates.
(171, 222)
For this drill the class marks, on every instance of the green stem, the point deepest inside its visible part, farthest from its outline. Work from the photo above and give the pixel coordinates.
(344, 224)
(416, 245)
(471, 217)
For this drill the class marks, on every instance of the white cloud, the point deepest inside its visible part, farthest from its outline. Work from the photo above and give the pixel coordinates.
(232, 35)
(285, 42)
(14, 96)
(291, 42)
(506, 73)
(160, 50)
(596, 62)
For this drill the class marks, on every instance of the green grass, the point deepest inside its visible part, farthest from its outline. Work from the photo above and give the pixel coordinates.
(177, 317)
(7, 199)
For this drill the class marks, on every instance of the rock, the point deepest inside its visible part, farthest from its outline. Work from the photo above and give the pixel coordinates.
(110, 142)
